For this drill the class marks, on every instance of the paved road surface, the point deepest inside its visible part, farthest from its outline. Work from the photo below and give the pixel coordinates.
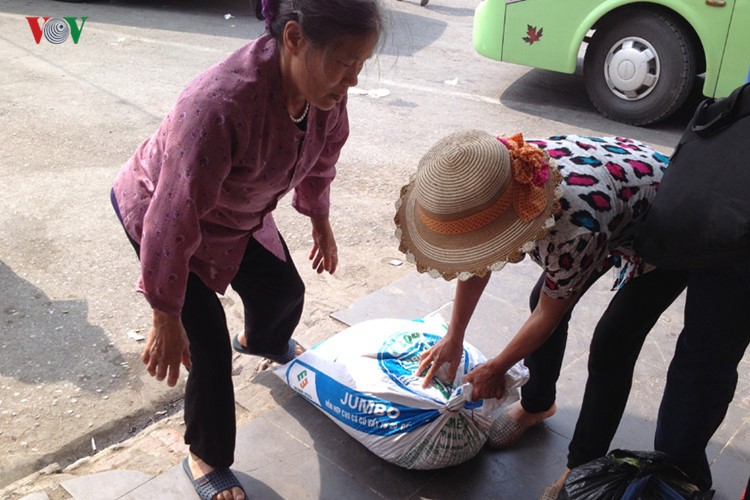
(71, 114)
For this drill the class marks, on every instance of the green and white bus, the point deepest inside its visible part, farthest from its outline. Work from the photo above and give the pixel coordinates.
(641, 59)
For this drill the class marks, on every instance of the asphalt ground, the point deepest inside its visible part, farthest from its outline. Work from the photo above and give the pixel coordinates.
(70, 114)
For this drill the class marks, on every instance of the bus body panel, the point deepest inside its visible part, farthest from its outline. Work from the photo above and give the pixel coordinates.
(548, 34)
(735, 65)
(489, 23)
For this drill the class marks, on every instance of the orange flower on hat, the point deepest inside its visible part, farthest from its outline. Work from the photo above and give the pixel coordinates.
(530, 171)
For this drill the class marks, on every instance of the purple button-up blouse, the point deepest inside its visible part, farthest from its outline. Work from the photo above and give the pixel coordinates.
(207, 180)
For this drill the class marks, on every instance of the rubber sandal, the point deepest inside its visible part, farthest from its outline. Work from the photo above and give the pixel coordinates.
(213, 483)
(505, 432)
(282, 359)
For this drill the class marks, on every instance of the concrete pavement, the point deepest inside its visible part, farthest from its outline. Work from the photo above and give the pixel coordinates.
(287, 448)
(70, 114)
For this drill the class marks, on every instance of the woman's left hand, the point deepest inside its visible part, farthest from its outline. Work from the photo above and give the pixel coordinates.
(324, 254)
(486, 382)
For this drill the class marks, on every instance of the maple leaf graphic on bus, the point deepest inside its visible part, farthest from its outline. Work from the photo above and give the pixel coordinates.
(532, 35)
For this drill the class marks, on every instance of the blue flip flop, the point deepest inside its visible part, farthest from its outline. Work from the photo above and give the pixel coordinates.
(213, 483)
(282, 359)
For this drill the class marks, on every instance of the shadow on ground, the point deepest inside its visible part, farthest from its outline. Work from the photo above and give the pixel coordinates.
(44, 340)
(562, 97)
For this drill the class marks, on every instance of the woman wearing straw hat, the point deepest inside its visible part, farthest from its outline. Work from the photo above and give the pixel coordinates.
(573, 205)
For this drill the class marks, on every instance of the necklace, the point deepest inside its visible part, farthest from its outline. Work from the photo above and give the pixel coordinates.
(303, 115)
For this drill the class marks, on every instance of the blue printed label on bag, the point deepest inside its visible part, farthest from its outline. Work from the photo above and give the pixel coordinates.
(360, 411)
(399, 359)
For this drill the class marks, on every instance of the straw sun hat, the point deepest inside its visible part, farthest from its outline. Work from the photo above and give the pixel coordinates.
(475, 203)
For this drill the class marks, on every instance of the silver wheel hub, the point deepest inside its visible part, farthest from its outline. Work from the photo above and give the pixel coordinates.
(631, 68)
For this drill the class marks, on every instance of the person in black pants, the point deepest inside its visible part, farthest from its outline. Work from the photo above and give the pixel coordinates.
(573, 205)
(273, 295)
(617, 341)
(703, 373)
(198, 197)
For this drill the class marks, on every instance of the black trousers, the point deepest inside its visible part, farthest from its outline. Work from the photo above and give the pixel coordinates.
(272, 294)
(615, 346)
(703, 375)
(539, 393)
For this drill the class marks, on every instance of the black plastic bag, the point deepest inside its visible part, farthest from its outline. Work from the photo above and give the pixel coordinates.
(630, 475)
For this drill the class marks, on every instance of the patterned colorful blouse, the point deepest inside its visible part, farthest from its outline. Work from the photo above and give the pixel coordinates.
(197, 189)
(608, 185)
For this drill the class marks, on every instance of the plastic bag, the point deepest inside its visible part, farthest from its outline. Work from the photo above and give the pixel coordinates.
(630, 475)
(364, 380)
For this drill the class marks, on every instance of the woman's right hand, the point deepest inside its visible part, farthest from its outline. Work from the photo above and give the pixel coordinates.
(446, 351)
(450, 348)
(166, 347)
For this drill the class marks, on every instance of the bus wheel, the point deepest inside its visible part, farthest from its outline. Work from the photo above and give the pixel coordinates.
(640, 68)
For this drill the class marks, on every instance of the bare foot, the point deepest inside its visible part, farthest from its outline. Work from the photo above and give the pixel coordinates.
(561, 480)
(199, 468)
(509, 427)
(552, 491)
(242, 339)
(298, 350)
(527, 419)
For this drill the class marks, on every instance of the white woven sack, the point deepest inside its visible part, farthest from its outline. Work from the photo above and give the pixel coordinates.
(363, 379)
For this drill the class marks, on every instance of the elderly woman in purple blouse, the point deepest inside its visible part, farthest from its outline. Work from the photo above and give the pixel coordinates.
(196, 201)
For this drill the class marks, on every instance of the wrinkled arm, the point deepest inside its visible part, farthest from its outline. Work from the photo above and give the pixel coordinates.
(324, 254)
(166, 347)
(489, 379)
(450, 348)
